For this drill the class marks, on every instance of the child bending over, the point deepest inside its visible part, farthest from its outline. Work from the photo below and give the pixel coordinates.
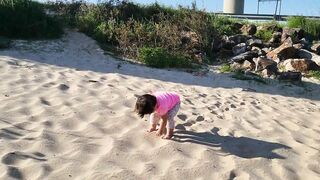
(161, 105)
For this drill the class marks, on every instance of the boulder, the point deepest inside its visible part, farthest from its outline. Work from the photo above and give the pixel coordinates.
(226, 43)
(290, 76)
(263, 63)
(255, 42)
(302, 53)
(266, 73)
(276, 37)
(4, 42)
(246, 65)
(285, 51)
(295, 33)
(244, 56)
(240, 48)
(259, 51)
(298, 46)
(238, 38)
(299, 65)
(249, 29)
(316, 48)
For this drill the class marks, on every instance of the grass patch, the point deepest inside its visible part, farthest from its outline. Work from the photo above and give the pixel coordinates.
(314, 74)
(225, 68)
(27, 19)
(239, 75)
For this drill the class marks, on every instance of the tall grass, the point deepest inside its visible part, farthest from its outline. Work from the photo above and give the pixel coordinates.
(26, 19)
(311, 27)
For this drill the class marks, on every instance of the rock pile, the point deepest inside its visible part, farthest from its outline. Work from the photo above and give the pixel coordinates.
(286, 56)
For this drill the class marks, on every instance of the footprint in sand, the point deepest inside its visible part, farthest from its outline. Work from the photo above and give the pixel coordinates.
(232, 175)
(14, 173)
(183, 117)
(63, 87)
(200, 118)
(44, 101)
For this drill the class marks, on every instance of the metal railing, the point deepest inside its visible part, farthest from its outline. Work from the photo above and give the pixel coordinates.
(262, 16)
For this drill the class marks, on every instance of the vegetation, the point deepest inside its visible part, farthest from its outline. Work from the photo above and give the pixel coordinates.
(225, 68)
(314, 74)
(241, 76)
(27, 19)
(265, 35)
(161, 58)
(311, 27)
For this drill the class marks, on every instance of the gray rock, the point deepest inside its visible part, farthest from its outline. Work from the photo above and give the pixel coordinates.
(238, 38)
(263, 63)
(305, 54)
(255, 42)
(290, 76)
(316, 48)
(244, 56)
(276, 37)
(240, 48)
(259, 51)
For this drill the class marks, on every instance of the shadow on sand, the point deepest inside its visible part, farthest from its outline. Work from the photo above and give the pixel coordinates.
(239, 146)
(75, 55)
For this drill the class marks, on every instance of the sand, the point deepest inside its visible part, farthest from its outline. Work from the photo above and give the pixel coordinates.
(67, 113)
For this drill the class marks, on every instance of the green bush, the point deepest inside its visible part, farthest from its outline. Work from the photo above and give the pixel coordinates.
(27, 19)
(311, 27)
(161, 58)
(225, 25)
(265, 35)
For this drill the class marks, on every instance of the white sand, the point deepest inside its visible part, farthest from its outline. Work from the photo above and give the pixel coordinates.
(66, 113)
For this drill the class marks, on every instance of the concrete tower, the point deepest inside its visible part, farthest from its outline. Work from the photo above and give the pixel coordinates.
(233, 6)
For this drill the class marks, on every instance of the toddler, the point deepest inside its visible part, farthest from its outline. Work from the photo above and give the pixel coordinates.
(161, 105)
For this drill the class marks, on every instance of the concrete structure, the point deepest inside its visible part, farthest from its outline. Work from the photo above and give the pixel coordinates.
(233, 6)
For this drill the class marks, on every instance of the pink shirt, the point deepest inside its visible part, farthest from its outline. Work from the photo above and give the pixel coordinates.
(165, 101)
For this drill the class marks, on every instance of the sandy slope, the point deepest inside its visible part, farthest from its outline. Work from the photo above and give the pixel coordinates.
(66, 113)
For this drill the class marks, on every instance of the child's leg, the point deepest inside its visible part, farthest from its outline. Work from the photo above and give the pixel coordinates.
(154, 120)
(170, 124)
(162, 127)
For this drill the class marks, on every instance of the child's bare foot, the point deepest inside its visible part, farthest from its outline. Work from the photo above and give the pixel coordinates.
(159, 132)
(151, 129)
(169, 134)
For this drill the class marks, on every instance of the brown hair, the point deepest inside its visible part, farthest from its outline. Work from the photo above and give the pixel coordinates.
(145, 104)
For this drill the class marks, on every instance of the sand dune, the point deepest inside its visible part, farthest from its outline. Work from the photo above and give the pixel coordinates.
(66, 113)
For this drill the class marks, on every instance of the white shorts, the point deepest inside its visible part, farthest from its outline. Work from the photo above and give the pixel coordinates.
(155, 118)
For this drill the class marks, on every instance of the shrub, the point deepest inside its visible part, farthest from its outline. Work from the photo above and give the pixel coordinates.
(265, 35)
(27, 19)
(161, 58)
(225, 26)
(311, 27)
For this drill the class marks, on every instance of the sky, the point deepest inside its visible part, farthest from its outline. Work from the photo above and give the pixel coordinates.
(289, 7)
